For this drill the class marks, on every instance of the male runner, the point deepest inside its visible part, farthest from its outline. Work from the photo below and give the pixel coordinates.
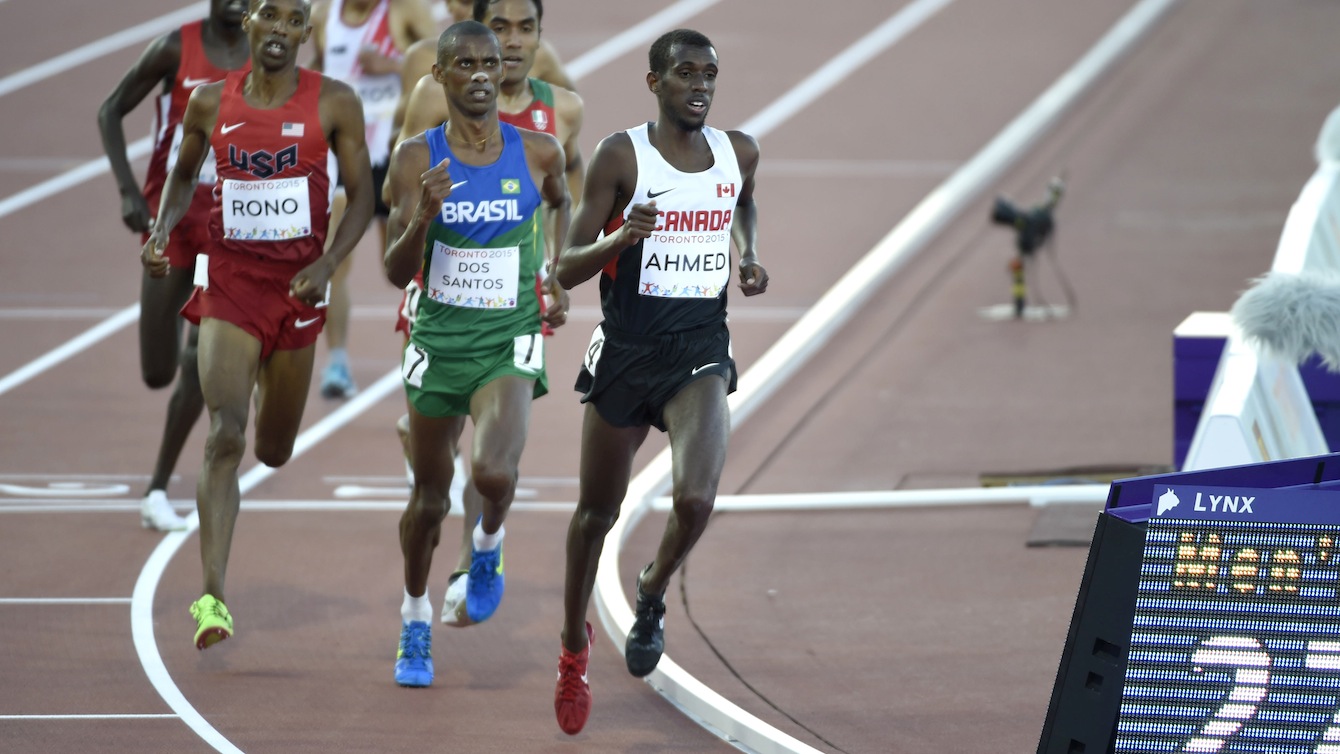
(256, 303)
(198, 53)
(362, 42)
(467, 201)
(661, 206)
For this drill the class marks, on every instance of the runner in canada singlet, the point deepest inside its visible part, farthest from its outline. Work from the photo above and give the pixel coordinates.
(676, 279)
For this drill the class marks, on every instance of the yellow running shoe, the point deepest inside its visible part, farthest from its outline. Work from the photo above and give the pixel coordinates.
(213, 623)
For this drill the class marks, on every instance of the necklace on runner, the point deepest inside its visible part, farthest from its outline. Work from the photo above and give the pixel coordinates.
(477, 145)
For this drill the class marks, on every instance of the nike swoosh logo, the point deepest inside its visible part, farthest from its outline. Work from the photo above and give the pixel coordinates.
(654, 194)
(455, 186)
(227, 127)
(306, 322)
(190, 83)
(704, 366)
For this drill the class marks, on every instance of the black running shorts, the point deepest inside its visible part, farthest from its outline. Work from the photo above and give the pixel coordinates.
(630, 378)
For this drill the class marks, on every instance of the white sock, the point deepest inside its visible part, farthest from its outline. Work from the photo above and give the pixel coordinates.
(485, 542)
(416, 608)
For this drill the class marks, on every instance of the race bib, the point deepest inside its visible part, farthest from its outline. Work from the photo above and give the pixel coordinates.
(413, 365)
(473, 278)
(669, 272)
(379, 96)
(529, 352)
(593, 350)
(273, 210)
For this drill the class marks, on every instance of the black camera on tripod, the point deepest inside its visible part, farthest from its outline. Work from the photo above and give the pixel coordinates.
(1033, 226)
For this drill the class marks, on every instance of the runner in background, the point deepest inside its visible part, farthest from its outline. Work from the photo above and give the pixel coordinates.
(198, 53)
(362, 42)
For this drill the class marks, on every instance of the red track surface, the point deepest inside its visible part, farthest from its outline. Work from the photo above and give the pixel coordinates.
(911, 630)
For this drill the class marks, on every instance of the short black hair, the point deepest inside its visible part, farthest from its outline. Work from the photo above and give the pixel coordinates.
(481, 9)
(457, 31)
(254, 4)
(659, 55)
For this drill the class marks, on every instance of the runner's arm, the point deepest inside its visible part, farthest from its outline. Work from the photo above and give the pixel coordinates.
(570, 111)
(744, 222)
(320, 12)
(202, 109)
(412, 210)
(346, 134)
(419, 60)
(157, 65)
(548, 67)
(197, 125)
(609, 187)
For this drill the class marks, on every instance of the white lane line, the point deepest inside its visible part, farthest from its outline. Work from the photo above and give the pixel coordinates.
(70, 348)
(81, 56)
(142, 599)
(69, 179)
(147, 716)
(854, 168)
(800, 342)
(636, 36)
(385, 313)
(64, 489)
(276, 506)
(64, 600)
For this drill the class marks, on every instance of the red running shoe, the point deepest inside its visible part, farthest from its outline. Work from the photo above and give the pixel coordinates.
(572, 697)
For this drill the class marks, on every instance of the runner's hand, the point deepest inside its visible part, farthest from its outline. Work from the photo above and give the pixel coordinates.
(753, 278)
(309, 285)
(374, 63)
(557, 312)
(435, 185)
(640, 223)
(135, 212)
(151, 256)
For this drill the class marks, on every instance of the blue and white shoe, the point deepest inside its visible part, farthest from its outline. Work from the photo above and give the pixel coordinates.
(414, 659)
(336, 382)
(485, 584)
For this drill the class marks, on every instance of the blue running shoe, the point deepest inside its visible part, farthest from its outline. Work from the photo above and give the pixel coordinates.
(336, 382)
(414, 659)
(484, 587)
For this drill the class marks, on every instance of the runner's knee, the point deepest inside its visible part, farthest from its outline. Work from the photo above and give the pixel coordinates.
(429, 504)
(693, 508)
(596, 522)
(227, 441)
(493, 480)
(273, 453)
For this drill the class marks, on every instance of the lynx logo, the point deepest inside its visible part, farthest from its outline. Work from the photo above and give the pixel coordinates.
(511, 186)
(493, 211)
(1168, 501)
(1225, 503)
(261, 163)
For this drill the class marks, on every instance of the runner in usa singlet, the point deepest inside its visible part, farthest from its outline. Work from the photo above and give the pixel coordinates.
(273, 192)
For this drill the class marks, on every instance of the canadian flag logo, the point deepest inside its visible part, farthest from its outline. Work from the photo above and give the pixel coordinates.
(725, 189)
